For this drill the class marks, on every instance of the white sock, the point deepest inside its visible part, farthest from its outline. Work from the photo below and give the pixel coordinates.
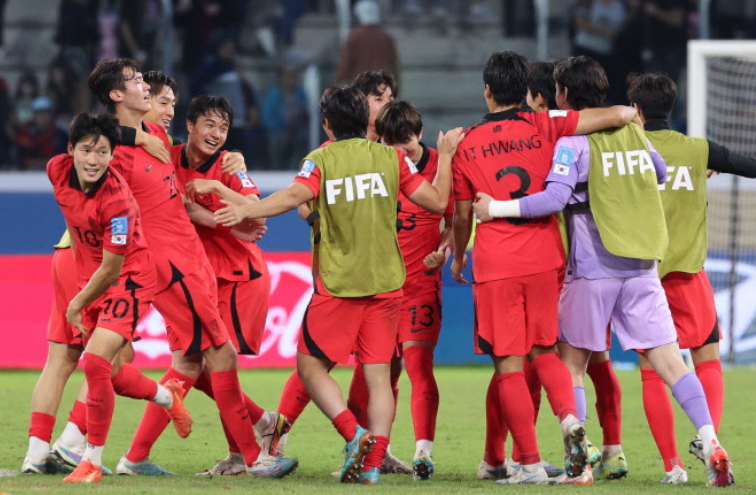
(163, 397)
(423, 445)
(94, 454)
(72, 435)
(38, 449)
(532, 468)
(610, 450)
(264, 422)
(707, 435)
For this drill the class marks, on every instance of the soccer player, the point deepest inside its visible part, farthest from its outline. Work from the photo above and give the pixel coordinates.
(116, 277)
(186, 293)
(608, 181)
(358, 265)
(690, 296)
(163, 97)
(541, 95)
(424, 248)
(518, 261)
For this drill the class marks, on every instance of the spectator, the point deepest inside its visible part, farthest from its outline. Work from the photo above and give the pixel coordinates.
(368, 46)
(665, 36)
(40, 139)
(27, 90)
(284, 117)
(78, 34)
(61, 85)
(254, 135)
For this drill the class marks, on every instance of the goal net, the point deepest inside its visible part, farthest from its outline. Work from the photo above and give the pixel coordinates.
(722, 108)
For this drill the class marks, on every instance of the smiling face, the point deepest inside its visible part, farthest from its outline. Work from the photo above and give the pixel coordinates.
(163, 107)
(91, 159)
(208, 134)
(136, 93)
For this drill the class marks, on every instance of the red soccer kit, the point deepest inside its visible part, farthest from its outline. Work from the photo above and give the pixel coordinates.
(367, 325)
(515, 261)
(106, 218)
(186, 287)
(419, 235)
(240, 267)
(65, 287)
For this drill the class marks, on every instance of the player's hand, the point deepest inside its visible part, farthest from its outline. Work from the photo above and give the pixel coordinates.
(156, 147)
(200, 186)
(73, 315)
(233, 163)
(230, 215)
(436, 259)
(480, 207)
(457, 267)
(448, 143)
(711, 172)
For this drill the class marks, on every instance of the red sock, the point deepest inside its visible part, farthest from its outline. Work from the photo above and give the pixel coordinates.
(394, 391)
(78, 416)
(496, 431)
(230, 401)
(534, 386)
(374, 459)
(204, 385)
(42, 425)
(660, 417)
(556, 379)
(346, 424)
(608, 401)
(518, 414)
(294, 398)
(130, 382)
(100, 398)
(357, 402)
(154, 421)
(419, 363)
(710, 374)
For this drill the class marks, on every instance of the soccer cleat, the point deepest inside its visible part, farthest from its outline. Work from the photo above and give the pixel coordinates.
(268, 466)
(594, 454)
(676, 476)
(551, 470)
(696, 448)
(85, 472)
(230, 466)
(49, 465)
(71, 455)
(422, 467)
(612, 468)
(354, 454)
(718, 467)
(393, 465)
(523, 477)
(180, 416)
(489, 472)
(585, 478)
(145, 467)
(577, 459)
(270, 438)
(370, 477)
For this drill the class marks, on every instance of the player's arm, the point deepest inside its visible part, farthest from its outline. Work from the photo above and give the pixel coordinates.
(461, 231)
(435, 197)
(101, 280)
(723, 160)
(275, 204)
(596, 119)
(659, 164)
(199, 215)
(439, 257)
(151, 144)
(233, 163)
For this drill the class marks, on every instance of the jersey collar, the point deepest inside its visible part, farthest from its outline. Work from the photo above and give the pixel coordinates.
(350, 136)
(420, 165)
(656, 125)
(511, 114)
(74, 182)
(205, 167)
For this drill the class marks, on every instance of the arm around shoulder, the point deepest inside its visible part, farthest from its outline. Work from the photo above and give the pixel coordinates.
(597, 119)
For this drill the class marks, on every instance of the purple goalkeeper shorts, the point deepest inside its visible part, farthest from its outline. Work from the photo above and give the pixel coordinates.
(637, 308)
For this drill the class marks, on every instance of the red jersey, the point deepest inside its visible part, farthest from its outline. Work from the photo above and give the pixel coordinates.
(169, 232)
(231, 258)
(106, 217)
(419, 231)
(508, 156)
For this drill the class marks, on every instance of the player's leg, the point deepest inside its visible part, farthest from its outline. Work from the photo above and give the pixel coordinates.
(608, 404)
(418, 359)
(357, 399)
(534, 386)
(494, 463)
(392, 464)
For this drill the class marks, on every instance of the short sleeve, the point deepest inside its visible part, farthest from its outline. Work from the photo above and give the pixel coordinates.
(409, 179)
(555, 124)
(309, 175)
(564, 163)
(118, 217)
(241, 183)
(461, 185)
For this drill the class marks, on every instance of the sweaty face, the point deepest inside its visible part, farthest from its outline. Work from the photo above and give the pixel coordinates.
(91, 159)
(411, 148)
(208, 134)
(163, 107)
(136, 95)
(376, 102)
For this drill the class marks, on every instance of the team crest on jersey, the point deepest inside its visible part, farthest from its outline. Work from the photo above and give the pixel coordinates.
(557, 113)
(245, 180)
(307, 168)
(119, 226)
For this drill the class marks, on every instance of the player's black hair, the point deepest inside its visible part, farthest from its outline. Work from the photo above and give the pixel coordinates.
(398, 121)
(541, 82)
(206, 105)
(108, 75)
(585, 79)
(346, 109)
(369, 82)
(655, 93)
(158, 81)
(507, 73)
(86, 125)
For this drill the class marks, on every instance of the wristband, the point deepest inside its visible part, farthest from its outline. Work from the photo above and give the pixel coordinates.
(504, 209)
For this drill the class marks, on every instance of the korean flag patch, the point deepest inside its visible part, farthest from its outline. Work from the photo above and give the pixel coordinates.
(307, 168)
(563, 160)
(119, 225)
(118, 239)
(245, 180)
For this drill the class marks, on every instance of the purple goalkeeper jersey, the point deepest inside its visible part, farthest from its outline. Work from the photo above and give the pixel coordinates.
(588, 257)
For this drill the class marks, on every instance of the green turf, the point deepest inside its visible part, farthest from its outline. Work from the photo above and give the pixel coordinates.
(457, 451)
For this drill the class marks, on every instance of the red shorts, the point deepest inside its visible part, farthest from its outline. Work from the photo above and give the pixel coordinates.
(514, 314)
(65, 288)
(190, 308)
(691, 300)
(420, 317)
(333, 327)
(119, 310)
(243, 307)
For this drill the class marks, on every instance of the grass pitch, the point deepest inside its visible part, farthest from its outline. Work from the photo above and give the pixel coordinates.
(457, 450)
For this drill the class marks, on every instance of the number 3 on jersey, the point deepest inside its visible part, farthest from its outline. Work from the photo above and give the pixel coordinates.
(524, 177)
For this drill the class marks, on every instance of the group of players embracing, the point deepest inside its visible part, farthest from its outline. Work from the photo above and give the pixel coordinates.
(154, 221)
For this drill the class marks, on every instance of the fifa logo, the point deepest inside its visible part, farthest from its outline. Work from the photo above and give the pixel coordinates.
(625, 162)
(359, 187)
(680, 179)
